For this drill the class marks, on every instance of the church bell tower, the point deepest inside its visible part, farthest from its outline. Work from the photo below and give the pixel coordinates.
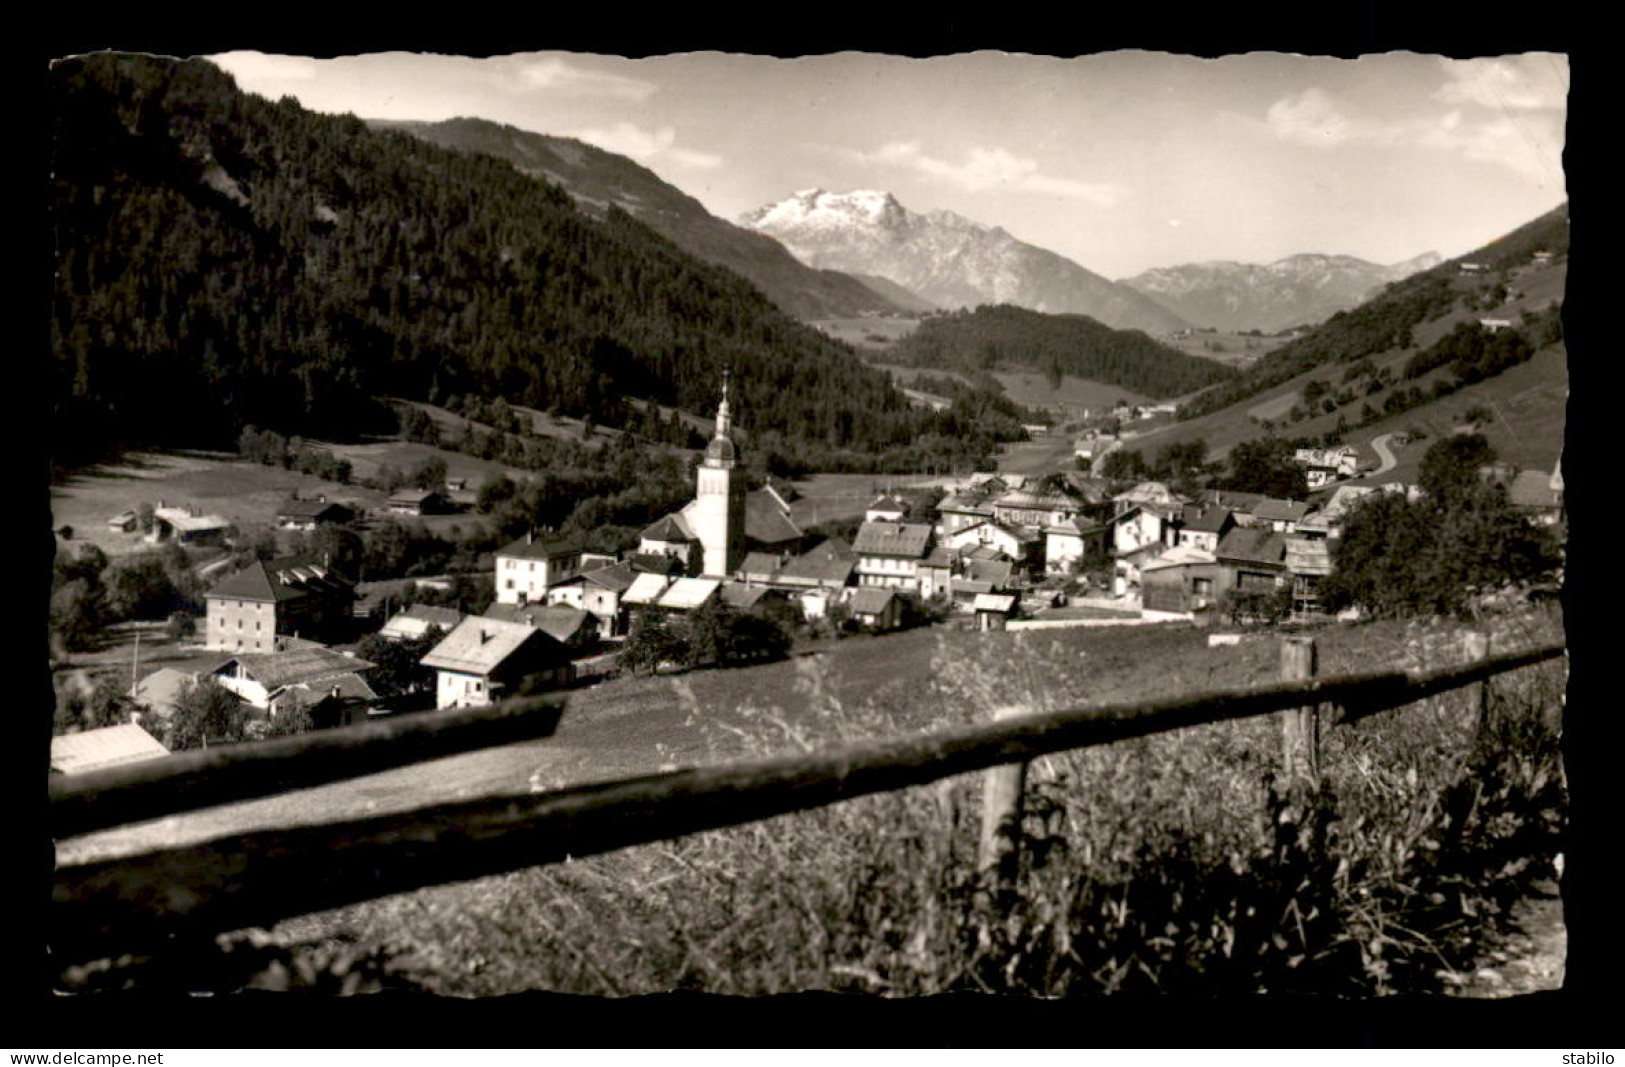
(718, 515)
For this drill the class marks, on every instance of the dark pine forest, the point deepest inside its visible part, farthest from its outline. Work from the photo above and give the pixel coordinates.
(225, 261)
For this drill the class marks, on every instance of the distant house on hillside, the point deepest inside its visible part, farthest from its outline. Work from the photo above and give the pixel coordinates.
(419, 502)
(298, 514)
(187, 526)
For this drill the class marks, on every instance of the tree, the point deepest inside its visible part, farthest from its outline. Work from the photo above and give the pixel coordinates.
(1265, 465)
(650, 643)
(1451, 464)
(1436, 554)
(77, 609)
(397, 665)
(206, 712)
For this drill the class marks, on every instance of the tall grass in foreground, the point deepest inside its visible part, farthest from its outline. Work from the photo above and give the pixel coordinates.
(1172, 863)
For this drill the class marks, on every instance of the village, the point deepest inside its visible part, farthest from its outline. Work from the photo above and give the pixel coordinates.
(284, 636)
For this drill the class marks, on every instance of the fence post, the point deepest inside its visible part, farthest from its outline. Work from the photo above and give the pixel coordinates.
(1478, 648)
(1300, 727)
(1002, 789)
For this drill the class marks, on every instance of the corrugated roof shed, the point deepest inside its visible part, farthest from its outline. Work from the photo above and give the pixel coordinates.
(686, 594)
(645, 589)
(106, 746)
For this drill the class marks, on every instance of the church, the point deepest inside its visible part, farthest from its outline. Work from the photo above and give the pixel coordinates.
(710, 536)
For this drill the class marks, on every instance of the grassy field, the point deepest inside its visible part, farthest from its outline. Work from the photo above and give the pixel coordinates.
(1071, 401)
(1167, 864)
(1231, 349)
(870, 333)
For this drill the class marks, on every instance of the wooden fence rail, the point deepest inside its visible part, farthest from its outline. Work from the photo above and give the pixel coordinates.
(137, 903)
(82, 803)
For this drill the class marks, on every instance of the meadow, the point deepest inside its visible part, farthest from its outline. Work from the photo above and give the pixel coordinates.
(1172, 863)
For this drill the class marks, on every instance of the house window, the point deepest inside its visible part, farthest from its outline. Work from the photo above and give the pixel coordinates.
(1202, 586)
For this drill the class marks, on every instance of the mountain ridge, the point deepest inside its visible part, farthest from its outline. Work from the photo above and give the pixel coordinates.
(948, 259)
(1296, 290)
(599, 178)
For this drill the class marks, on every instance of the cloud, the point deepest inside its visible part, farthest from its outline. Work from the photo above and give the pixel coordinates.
(1527, 141)
(990, 168)
(555, 75)
(256, 66)
(1522, 83)
(647, 146)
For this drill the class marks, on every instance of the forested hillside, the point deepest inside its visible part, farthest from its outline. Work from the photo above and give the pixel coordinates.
(1386, 323)
(223, 260)
(1072, 345)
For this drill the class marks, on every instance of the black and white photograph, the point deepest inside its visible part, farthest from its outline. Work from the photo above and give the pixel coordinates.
(982, 524)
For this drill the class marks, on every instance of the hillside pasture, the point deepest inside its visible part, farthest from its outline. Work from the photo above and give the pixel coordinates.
(247, 494)
(1076, 399)
(825, 498)
(1231, 349)
(875, 334)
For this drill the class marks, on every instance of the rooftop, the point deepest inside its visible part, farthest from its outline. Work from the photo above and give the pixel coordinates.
(480, 645)
(276, 669)
(107, 746)
(532, 547)
(909, 540)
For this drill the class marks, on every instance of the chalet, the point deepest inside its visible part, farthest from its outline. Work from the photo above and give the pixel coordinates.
(1309, 561)
(1202, 525)
(280, 682)
(1542, 257)
(419, 619)
(889, 553)
(1326, 521)
(965, 508)
(419, 502)
(671, 537)
(1277, 515)
(1148, 494)
(1325, 465)
(1253, 559)
(186, 526)
(885, 508)
(1472, 268)
(1068, 545)
(754, 599)
(993, 610)
(1182, 581)
(1015, 542)
(827, 565)
(1538, 496)
(572, 627)
(1495, 325)
(936, 572)
(104, 747)
(157, 693)
(528, 567)
(876, 608)
(597, 592)
(484, 661)
(123, 522)
(246, 611)
(1023, 507)
(1139, 526)
(298, 514)
(759, 568)
(1127, 567)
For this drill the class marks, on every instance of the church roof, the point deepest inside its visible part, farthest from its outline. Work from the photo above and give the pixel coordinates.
(669, 528)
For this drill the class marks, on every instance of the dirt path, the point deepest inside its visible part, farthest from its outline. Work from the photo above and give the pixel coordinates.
(1530, 959)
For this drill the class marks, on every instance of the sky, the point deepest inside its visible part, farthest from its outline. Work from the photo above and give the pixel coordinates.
(1121, 161)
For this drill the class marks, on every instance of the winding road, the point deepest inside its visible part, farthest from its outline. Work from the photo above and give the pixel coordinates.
(1386, 460)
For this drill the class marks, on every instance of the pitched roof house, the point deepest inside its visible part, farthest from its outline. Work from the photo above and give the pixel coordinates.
(484, 661)
(529, 566)
(889, 553)
(417, 620)
(294, 595)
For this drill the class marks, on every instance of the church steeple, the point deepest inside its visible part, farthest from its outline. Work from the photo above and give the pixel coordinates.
(724, 422)
(720, 452)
